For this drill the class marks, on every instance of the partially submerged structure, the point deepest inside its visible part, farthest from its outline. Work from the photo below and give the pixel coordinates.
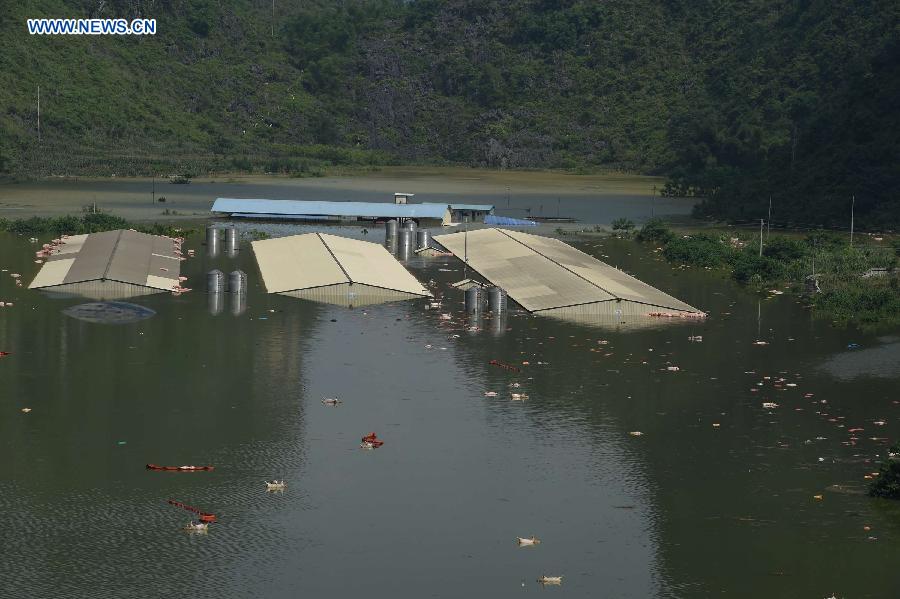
(334, 270)
(547, 276)
(111, 265)
(332, 211)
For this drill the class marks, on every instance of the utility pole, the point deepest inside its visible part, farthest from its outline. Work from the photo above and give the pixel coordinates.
(557, 207)
(153, 193)
(273, 19)
(852, 206)
(507, 196)
(39, 114)
(652, 200)
(760, 236)
(769, 221)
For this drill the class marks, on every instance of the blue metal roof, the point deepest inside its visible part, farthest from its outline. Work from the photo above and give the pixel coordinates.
(316, 208)
(508, 221)
(475, 207)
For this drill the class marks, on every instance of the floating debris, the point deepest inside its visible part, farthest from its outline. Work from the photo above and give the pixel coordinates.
(331, 401)
(528, 541)
(555, 580)
(635, 433)
(371, 441)
(181, 468)
(275, 485)
(197, 527)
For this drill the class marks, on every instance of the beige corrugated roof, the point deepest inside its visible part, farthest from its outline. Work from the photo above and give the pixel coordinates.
(121, 256)
(541, 273)
(317, 260)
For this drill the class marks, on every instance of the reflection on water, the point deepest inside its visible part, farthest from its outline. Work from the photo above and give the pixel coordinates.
(881, 361)
(109, 312)
(714, 497)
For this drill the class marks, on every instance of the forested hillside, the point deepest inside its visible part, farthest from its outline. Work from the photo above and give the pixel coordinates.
(734, 101)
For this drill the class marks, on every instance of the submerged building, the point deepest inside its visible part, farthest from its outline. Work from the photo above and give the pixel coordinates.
(331, 211)
(547, 276)
(335, 270)
(111, 265)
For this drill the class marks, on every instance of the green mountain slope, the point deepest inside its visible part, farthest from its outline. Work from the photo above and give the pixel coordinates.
(736, 101)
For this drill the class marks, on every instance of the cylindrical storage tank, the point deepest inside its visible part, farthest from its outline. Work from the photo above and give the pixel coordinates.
(237, 281)
(474, 299)
(496, 300)
(390, 228)
(215, 281)
(410, 225)
(216, 301)
(212, 240)
(231, 240)
(423, 238)
(404, 244)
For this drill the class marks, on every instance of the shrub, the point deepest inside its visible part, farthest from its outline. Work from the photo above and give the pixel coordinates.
(622, 224)
(887, 484)
(655, 230)
(783, 248)
(699, 250)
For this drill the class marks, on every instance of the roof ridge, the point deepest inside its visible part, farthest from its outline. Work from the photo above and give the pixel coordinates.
(112, 254)
(333, 257)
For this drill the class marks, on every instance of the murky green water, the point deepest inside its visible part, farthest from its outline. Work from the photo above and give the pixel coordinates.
(687, 509)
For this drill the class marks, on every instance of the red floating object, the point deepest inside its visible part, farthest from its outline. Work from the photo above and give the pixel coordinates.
(506, 366)
(181, 468)
(373, 439)
(204, 516)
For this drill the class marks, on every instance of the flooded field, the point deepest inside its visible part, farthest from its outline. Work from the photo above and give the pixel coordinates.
(594, 199)
(719, 494)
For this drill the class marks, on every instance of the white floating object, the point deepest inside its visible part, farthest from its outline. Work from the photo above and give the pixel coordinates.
(331, 401)
(275, 485)
(526, 541)
(550, 579)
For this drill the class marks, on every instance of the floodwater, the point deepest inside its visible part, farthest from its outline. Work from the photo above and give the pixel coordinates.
(715, 498)
(592, 199)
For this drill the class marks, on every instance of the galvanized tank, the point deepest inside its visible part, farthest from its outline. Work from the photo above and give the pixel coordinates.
(212, 240)
(496, 300)
(474, 299)
(423, 238)
(215, 281)
(390, 228)
(410, 225)
(404, 244)
(237, 281)
(231, 240)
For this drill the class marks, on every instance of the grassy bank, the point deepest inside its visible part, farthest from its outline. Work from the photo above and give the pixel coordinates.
(822, 266)
(93, 222)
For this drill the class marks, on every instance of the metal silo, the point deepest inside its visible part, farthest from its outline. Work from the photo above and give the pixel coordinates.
(423, 238)
(496, 300)
(212, 240)
(237, 281)
(474, 299)
(215, 281)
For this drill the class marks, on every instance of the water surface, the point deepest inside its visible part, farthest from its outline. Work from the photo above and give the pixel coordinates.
(687, 509)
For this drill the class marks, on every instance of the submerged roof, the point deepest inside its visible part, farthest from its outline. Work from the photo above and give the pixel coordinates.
(317, 208)
(473, 207)
(508, 221)
(318, 260)
(541, 273)
(120, 256)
